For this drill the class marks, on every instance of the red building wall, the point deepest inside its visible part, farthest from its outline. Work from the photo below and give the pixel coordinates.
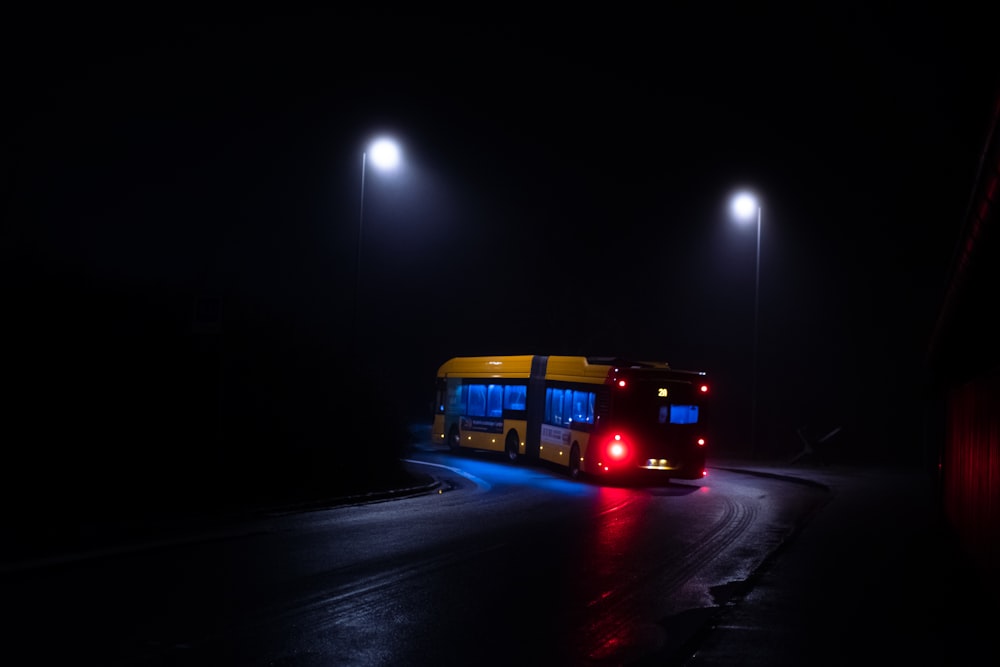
(964, 367)
(970, 469)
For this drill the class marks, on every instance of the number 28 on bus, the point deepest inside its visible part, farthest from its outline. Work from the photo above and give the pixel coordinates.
(596, 416)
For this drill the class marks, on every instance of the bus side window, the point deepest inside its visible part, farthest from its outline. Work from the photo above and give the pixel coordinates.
(554, 401)
(583, 407)
(477, 400)
(515, 397)
(568, 407)
(494, 400)
(455, 402)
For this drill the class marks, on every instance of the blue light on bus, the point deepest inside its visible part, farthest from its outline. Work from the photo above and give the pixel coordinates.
(683, 414)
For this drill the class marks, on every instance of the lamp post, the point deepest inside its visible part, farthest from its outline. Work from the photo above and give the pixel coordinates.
(385, 156)
(744, 205)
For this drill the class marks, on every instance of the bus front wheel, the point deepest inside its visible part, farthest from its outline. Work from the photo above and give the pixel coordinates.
(511, 447)
(454, 440)
(574, 461)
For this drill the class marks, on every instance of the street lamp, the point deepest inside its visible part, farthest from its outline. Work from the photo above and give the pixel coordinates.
(385, 156)
(744, 205)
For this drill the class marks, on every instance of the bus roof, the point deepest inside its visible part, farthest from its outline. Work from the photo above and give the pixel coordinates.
(487, 367)
(558, 366)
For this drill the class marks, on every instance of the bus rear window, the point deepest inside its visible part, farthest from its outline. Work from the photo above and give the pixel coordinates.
(683, 414)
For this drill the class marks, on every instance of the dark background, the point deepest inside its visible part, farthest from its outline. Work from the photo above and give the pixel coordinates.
(183, 199)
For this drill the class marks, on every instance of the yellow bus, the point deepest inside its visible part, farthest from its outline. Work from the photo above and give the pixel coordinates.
(603, 417)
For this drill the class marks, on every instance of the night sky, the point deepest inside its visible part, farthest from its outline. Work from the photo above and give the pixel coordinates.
(565, 191)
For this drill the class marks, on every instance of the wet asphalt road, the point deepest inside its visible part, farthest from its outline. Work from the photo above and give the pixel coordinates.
(866, 576)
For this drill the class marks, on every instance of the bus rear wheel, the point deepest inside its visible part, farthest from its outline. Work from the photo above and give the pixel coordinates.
(454, 440)
(574, 461)
(511, 447)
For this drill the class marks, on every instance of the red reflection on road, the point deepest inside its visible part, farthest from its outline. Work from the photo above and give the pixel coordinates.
(611, 623)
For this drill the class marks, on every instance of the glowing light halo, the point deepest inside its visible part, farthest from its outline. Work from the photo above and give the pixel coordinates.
(744, 206)
(385, 154)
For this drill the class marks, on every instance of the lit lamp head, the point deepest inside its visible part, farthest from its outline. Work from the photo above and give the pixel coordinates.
(385, 154)
(744, 206)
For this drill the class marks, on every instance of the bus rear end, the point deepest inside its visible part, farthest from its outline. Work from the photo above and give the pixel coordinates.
(653, 426)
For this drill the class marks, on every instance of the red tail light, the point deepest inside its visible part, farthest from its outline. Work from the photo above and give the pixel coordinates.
(617, 449)
(701, 442)
(703, 388)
